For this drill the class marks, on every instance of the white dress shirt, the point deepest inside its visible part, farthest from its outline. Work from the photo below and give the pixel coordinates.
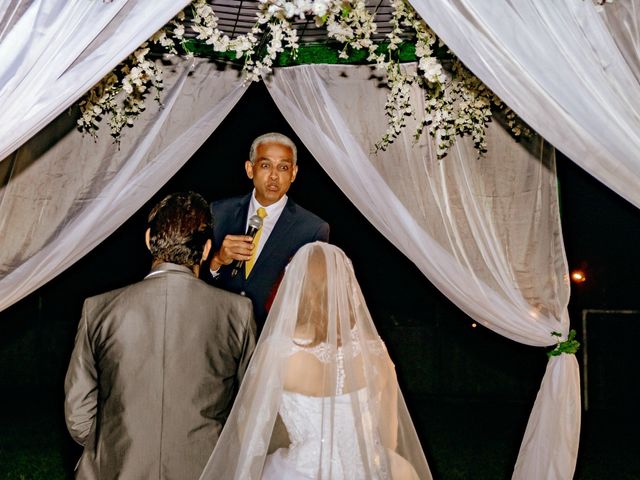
(269, 222)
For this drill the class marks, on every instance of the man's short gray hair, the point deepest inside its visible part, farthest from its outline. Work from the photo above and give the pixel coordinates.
(273, 137)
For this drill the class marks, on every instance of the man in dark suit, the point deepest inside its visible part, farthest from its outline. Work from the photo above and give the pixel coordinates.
(272, 166)
(156, 365)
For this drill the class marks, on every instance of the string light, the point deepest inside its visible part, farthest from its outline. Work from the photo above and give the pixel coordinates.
(578, 276)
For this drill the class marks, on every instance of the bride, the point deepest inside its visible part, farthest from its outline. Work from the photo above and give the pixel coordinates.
(320, 399)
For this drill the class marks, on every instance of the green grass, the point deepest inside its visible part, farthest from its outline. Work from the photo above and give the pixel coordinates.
(31, 447)
(462, 440)
(46, 463)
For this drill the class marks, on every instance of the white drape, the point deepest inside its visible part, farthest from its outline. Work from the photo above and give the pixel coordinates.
(562, 68)
(485, 231)
(623, 21)
(61, 193)
(53, 51)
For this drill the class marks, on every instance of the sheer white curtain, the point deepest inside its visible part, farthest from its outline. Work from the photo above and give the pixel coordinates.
(562, 68)
(61, 193)
(623, 21)
(53, 51)
(485, 231)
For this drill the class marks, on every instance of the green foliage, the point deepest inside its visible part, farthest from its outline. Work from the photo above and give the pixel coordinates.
(569, 346)
(201, 49)
(30, 444)
(307, 54)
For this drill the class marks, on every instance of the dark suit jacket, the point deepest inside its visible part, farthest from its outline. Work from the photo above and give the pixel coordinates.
(153, 374)
(295, 228)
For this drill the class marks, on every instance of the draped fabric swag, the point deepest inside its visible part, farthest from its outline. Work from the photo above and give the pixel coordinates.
(53, 51)
(485, 231)
(61, 194)
(569, 71)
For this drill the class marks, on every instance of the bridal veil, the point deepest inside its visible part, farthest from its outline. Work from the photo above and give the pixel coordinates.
(320, 366)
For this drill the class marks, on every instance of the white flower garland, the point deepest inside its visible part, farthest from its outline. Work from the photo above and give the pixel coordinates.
(456, 102)
(121, 94)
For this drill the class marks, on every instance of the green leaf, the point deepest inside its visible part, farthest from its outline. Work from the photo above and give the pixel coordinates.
(570, 346)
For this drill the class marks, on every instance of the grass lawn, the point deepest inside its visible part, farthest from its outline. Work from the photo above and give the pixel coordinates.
(462, 440)
(32, 445)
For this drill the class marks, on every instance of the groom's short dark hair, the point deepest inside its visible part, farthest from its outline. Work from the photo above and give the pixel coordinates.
(179, 227)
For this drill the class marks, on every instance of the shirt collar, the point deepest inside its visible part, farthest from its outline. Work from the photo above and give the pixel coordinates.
(273, 210)
(169, 267)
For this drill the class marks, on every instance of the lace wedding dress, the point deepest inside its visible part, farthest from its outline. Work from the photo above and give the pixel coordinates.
(303, 418)
(322, 369)
(310, 429)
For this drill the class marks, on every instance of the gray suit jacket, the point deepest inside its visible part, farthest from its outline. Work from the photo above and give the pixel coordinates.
(153, 375)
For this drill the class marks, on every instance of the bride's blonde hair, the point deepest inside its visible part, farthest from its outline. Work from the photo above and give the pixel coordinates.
(317, 305)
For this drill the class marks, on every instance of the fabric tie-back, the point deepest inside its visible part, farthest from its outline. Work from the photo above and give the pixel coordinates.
(53, 51)
(569, 69)
(62, 193)
(485, 231)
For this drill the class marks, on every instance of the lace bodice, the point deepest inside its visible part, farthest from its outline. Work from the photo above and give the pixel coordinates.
(326, 353)
(323, 434)
(332, 437)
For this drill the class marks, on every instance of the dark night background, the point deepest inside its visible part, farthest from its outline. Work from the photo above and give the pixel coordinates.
(469, 390)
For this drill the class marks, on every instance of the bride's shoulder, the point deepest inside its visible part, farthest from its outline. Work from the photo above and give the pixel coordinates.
(355, 344)
(322, 351)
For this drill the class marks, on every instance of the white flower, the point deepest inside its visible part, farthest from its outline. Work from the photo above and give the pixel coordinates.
(204, 33)
(431, 68)
(158, 36)
(127, 87)
(289, 9)
(456, 104)
(204, 10)
(140, 54)
(320, 8)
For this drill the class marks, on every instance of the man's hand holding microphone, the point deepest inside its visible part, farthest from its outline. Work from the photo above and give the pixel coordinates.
(236, 247)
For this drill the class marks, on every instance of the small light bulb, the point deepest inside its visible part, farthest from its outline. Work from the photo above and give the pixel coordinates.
(578, 276)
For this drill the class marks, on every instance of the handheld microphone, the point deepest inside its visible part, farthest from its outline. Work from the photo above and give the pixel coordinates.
(255, 223)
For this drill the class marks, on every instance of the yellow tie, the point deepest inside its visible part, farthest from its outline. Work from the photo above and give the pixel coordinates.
(249, 263)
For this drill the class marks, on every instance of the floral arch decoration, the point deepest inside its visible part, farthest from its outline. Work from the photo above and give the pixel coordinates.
(262, 34)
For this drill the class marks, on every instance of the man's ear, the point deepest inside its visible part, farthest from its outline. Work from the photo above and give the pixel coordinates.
(248, 166)
(147, 238)
(207, 249)
(295, 172)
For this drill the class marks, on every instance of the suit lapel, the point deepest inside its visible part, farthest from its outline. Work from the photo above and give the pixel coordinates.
(238, 217)
(234, 224)
(278, 235)
(242, 212)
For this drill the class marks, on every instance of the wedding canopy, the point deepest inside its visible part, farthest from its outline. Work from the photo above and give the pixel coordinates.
(485, 231)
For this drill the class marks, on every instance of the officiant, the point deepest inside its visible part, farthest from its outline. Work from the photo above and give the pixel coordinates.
(285, 227)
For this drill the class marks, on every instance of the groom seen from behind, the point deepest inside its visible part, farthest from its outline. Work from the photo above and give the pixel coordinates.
(156, 364)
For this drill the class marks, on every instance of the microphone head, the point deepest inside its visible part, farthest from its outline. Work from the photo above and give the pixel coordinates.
(255, 222)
